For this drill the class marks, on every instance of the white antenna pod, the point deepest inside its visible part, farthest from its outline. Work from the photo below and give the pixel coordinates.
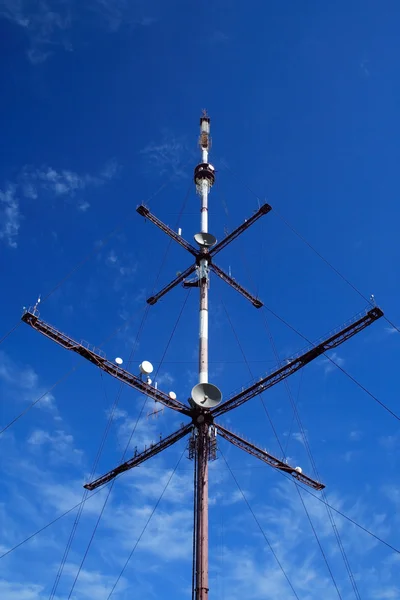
(119, 360)
(146, 367)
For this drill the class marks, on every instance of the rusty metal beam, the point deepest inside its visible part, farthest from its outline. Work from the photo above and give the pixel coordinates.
(263, 210)
(153, 299)
(145, 212)
(112, 369)
(140, 458)
(263, 455)
(296, 363)
(236, 286)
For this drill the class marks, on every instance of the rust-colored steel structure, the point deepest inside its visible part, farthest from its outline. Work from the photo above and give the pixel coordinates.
(202, 427)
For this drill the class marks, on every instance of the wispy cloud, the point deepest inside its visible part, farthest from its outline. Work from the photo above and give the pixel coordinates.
(63, 182)
(391, 330)
(46, 183)
(10, 216)
(48, 23)
(166, 156)
(20, 383)
(328, 364)
(59, 446)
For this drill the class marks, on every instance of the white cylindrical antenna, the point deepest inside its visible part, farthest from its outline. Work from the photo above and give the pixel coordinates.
(146, 367)
(180, 231)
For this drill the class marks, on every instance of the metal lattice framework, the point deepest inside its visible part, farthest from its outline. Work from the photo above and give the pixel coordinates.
(202, 425)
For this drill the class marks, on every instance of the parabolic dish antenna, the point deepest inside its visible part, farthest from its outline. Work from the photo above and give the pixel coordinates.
(119, 360)
(206, 395)
(172, 395)
(146, 367)
(205, 239)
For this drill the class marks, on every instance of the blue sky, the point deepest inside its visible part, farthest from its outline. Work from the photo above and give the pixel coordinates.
(99, 110)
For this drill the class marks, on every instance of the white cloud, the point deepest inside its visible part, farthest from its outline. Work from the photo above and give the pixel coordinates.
(10, 216)
(34, 184)
(166, 157)
(37, 56)
(59, 445)
(63, 182)
(355, 435)
(328, 364)
(299, 437)
(21, 377)
(83, 206)
(21, 383)
(47, 23)
(92, 584)
(124, 269)
(390, 330)
(390, 442)
(20, 591)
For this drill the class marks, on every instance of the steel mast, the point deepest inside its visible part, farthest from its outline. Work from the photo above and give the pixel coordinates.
(205, 402)
(204, 179)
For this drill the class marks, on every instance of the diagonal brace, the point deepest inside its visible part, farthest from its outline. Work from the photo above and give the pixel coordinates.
(236, 286)
(104, 364)
(294, 364)
(153, 299)
(263, 210)
(140, 458)
(268, 458)
(144, 211)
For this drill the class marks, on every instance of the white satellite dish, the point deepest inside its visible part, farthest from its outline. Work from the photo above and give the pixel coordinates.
(172, 395)
(298, 470)
(119, 360)
(146, 367)
(206, 395)
(205, 239)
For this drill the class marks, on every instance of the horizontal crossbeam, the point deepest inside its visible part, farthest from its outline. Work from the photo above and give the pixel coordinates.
(236, 286)
(140, 458)
(263, 210)
(294, 364)
(153, 299)
(144, 211)
(104, 364)
(268, 458)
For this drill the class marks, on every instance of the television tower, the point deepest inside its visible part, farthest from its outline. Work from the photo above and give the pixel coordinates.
(205, 402)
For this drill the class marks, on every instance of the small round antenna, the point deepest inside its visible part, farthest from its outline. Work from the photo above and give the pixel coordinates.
(172, 395)
(146, 367)
(119, 360)
(205, 239)
(298, 470)
(206, 395)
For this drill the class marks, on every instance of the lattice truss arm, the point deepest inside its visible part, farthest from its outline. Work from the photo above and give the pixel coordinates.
(96, 358)
(205, 253)
(141, 457)
(263, 210)
(267, 458)
(294, 364)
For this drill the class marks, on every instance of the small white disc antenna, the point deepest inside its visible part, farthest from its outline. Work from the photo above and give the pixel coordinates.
(119, 360)
(205, 239)
(172, 395)
(146, 367)
(298, 470)
(206, 395)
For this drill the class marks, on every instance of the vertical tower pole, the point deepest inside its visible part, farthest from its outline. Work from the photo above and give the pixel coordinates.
(204, 178)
